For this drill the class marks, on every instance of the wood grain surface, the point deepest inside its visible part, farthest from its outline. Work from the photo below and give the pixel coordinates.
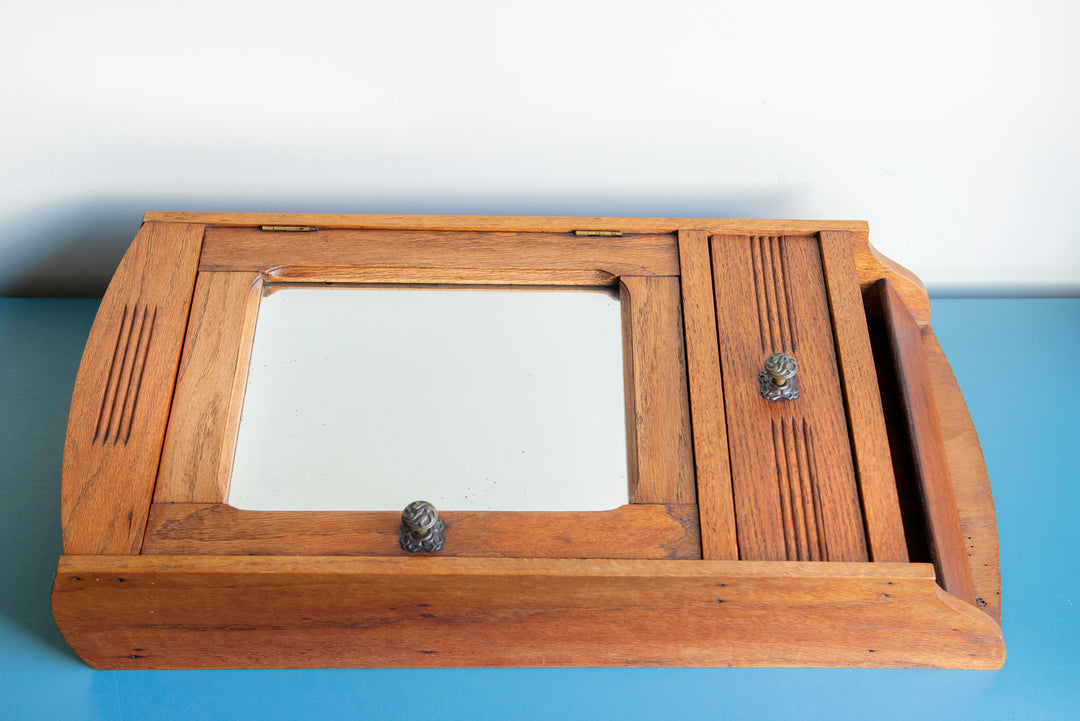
(120, 404)
(792, 472)
(505, 223)
(931, 464)
(970, 483)
(440, 275)
(712, 468)
(196, 461)
(273, 611)
(659, 442)
(872, 266)
(869, 438)
(216, 587)
(630, 531)
(870, 263)
(251, 249)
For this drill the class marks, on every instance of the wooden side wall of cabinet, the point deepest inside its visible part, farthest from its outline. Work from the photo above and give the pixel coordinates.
(123, 391)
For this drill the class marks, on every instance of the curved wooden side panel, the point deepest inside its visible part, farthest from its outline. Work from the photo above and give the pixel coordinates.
(932, 471)
(971, 485)
(146, 612)
(123, 389)
(872, 266)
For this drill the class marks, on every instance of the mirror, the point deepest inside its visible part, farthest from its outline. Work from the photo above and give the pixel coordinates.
(365, 398)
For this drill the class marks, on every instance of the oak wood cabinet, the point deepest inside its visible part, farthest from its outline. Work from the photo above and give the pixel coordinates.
(851, 526)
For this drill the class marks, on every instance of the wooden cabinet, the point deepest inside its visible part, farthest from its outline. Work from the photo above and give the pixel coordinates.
(850, 526)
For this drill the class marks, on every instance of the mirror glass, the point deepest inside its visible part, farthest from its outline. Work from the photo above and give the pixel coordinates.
(367, 398)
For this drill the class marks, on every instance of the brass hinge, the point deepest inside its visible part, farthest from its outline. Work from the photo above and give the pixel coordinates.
(599, 233)
(289, 228)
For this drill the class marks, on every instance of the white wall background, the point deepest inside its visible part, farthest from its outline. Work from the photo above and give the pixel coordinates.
(953, 127)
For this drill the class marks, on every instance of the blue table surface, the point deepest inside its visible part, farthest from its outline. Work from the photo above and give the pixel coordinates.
(1016, 361)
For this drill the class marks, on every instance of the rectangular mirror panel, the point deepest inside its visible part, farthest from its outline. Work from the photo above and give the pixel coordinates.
(364, 398)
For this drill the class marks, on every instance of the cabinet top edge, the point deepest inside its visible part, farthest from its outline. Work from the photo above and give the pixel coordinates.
(508, 223)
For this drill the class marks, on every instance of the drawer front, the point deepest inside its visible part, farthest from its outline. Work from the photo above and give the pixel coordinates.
(793, 477)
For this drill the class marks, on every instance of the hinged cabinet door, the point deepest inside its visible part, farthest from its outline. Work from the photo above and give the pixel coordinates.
(794, 475)
(191, 511)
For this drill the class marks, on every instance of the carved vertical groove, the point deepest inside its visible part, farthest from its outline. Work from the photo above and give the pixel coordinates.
(759, 300)
(125, 375)
(815, 489)
(811, 504)
(798, 492)
(793, 327)
(105, 411)
(783, 483)
(768, 278)
(772, 298)
(797, 484)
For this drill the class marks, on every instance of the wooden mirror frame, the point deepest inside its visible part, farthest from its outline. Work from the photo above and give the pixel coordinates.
(159, 572)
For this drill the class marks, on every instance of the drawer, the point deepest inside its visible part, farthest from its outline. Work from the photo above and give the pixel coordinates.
(793, 469)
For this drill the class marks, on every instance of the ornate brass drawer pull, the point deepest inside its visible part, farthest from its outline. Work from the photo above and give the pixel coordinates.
(778, 379)
(421, 527)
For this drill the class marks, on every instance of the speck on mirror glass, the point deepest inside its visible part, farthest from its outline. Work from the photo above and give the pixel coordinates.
(362, 398)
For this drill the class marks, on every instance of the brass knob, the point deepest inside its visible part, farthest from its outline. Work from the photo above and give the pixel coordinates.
(778, 380)
(421, 527)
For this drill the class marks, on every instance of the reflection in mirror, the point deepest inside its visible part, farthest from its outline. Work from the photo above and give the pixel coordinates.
(366, 399)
